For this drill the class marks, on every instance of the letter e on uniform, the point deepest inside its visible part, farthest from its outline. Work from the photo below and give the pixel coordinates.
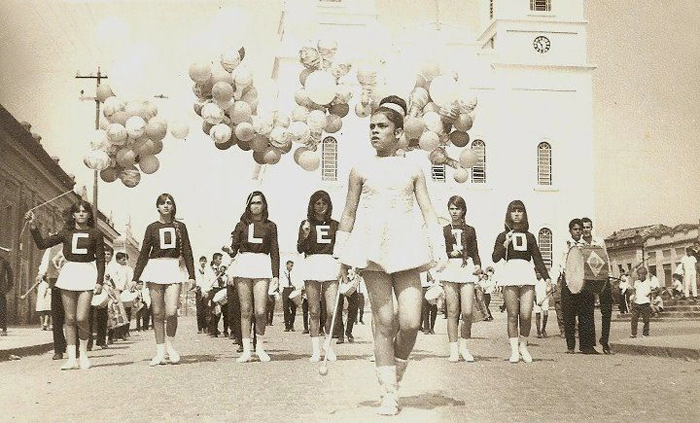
(75, 241)
(322, 234)
(167, 238)
(251, 235)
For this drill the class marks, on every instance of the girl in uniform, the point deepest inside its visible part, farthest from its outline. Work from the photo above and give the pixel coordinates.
(519, 249)
(165, 243)
(316, 241)
(459, 277)
(81, 275)
(257, 265)
(386, 239)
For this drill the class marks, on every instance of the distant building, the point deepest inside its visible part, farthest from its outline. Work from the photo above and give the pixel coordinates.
(29, 176)
(661, 246)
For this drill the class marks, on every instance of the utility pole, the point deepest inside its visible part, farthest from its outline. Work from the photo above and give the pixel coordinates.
(99, 77)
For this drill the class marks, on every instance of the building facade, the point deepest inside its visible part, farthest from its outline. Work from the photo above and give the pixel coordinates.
(525, 61)
(29, 176)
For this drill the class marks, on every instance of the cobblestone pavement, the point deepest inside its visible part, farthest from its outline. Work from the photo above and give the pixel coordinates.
(209, 385)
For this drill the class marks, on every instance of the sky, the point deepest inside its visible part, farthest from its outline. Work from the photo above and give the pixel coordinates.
(644, 86)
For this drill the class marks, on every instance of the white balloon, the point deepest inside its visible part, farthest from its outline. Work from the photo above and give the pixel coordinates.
(299, 131)
(320, 87)
(443, 90)
(135, 126)
(221, 133)
(116, 133)
(433, 122)
(212, 113)
(316, 120)
(179, 130)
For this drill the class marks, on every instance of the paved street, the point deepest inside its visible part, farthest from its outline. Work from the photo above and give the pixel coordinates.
(209, 385)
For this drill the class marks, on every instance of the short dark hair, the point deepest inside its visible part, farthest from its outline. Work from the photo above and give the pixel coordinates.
(217, 255)
(120, 255)
(109, 249)
(574, 222)
(394, 116)
(290, 261)
(202, 258)
(586, 220)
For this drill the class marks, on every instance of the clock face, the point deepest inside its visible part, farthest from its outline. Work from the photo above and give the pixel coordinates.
(541, 44)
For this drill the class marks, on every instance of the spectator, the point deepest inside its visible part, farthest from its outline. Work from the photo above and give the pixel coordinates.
(641, 301)
(6, 282)
(43, 303)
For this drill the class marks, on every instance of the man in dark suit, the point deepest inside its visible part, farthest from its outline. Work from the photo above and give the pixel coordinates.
(6, 283)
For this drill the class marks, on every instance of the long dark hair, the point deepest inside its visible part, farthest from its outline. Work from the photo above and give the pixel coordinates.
(394, 116)
(161, 200)
(510, 225)
(319, 195)
(247, 216)
(459, 202)
(70, 221)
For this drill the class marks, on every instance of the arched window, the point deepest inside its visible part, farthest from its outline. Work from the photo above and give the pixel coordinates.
(329, 159)
(544, 239)
(544, 164)
(541, 5)
(479, 169)
(438, 173)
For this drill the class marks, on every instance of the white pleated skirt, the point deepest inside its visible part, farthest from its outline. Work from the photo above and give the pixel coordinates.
(320, 267)
(516, 272)
(454, 272)
(77, 276)
(252, 266)
(163, 271)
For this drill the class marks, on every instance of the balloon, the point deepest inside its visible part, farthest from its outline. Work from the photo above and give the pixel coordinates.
(327, 48)
(130, 177)
(151, 110)
(135, 126)
(203, 89)
(286, 148)
(241, 112)
(320, 87)
(119, 117)
(459, 138)
(333, 124)
(230, 59)
(206, 127)
(157, 128)
(244, 131)
(126, 157)
(461, 175)
(145, 148)
(282, 120)
(299, 132)
(224, 145)
(429, 141)
(103, 92)
(242, 77)
(433, 122)
(339, 109)
(431, 107)
(157, 146)
(200, 72)
(309, 57)
(301, 98)
(112, 105)
(134, 108)
(300, 114)
(298, 153)
(468, 158)
(303, 75)
(262, 125)
(212, 113)
(413, 127)
(271, 155)
(221, 133)
(403, 142)
(316, 120)
(250, 95)
(429, 70)
(116, 133)
(109, 174)
(309, 160)
(149, 164)
(99, 140)
(438, 156)
(362, 111)
(418, 99)
(259, 157)
(244, 145)
(179, 130)
(464, 122)
(443, 90)
(222, 92)
(280, 136)
(96, 160)
(259, 143)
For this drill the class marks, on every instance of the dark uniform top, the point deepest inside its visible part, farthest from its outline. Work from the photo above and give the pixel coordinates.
(79, 245)
(466, 241)
(523, 247)
(321, 238)
(257, 237)
(165, 240)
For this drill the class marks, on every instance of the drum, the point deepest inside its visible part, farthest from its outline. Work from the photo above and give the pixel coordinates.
(433, 293)
(221, 297)
(347, 288)
(586, 268)
(295, 296)
(128, 298)
(100, 300)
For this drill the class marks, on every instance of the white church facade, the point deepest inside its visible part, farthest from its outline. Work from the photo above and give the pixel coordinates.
(526, 61)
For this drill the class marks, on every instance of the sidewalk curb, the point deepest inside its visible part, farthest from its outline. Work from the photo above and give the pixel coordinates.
(25, 351)
(657, 351)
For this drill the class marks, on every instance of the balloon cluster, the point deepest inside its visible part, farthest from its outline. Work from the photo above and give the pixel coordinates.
(132, 137)
(322, 101)
(439, 116)
(227, 102)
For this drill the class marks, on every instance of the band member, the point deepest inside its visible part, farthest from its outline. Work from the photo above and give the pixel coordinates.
(165, 242)
(205, 278)
(349, 294)
(518, 247)
(99, 316)
(605, 296)
(254, 239)
(316, 241)
(49, 268)
(459, 277)
(389, 244)
(541, 307)
(216, 311)
(579, 305)
(289, 307)
(81, 275)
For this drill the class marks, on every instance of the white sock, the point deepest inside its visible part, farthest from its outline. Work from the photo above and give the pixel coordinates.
(245, 356)
(260, 350)
(523, 350)
(454, 352)
(464, 351)
(70, 349)
(173, 355)
(72, 362)
(514, 353)
(315, 349)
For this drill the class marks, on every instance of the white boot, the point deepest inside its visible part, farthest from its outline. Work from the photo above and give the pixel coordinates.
(84, 360)
(514, 353)
(464, 351)
(328, 350)
(389, 388)
(315, 349)
(172, 354)
(260, 350)
(523, 350)
(72, 362)
(401, 365)
(159, 359)
(454, 353)
(246, 355)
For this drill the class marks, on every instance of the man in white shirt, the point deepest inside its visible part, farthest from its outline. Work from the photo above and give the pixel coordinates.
(689, 274)
(287, 283)
(122, 274)
(641, 302)
(204, 277)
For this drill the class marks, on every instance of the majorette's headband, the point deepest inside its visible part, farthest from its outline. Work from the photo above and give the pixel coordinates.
(395, 107)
